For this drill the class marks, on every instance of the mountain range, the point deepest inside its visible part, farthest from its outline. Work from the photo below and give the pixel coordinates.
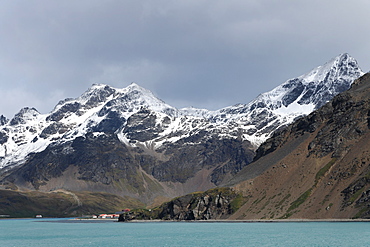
(129, 143)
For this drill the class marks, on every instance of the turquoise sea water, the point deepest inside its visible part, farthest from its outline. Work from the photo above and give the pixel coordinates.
(61, 232)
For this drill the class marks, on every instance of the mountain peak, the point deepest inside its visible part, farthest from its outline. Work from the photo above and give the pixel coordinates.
(95, 95)
(134, 87)
(97, 89)
(139, 96)
(344, 56)
(24, 115)
(98, 86)
(317, 86)
(3, 120)
(342, 65)
(341, 57)
(293, 99)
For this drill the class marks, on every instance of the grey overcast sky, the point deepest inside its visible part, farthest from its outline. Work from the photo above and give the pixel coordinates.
(202, 53)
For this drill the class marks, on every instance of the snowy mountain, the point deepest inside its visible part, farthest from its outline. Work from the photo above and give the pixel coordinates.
(139, 118)
(100, 109)
(292, 99)
(129, 142)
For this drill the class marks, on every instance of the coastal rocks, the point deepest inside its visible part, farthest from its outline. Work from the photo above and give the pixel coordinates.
(213, 204)
(124, 217)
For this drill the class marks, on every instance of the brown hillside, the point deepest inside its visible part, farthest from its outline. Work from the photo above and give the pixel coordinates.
(317, 168)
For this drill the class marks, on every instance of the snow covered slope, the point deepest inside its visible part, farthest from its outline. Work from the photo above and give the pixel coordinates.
(100, 109)
(292, 99)
(139, 119)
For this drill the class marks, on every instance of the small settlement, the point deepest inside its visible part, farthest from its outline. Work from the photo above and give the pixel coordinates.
(106, 216)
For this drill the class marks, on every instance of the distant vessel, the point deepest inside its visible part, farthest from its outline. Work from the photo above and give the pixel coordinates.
(39, 216)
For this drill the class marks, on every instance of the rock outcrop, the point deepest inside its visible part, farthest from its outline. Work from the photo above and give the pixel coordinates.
(213, 204)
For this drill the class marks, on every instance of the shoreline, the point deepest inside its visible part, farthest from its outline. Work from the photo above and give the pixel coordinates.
(231, 221)
(253, 220)
(203, 221)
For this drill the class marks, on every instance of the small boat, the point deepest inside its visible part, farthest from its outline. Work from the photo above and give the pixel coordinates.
(39, 216)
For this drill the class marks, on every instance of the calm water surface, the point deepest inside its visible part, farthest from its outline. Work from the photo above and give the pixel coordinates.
(58, 232)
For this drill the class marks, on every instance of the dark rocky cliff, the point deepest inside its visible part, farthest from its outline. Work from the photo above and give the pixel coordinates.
(213, 204)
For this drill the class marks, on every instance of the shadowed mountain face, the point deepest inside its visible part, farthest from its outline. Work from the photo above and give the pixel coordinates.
(130, 143)
(318, 167)
(102, 163)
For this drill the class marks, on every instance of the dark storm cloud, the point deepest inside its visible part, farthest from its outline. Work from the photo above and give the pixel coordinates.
(206, 54)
